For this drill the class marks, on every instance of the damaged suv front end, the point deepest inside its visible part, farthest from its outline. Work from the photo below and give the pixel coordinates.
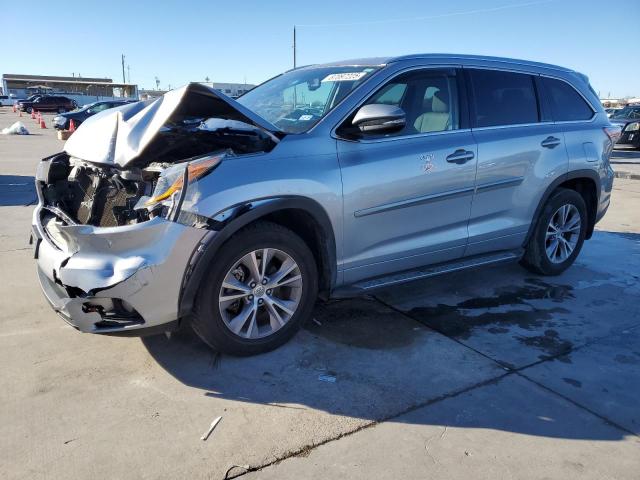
(113, 237)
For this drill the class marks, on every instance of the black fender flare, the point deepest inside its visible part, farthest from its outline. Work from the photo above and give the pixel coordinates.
(571, 175)
(228, 221)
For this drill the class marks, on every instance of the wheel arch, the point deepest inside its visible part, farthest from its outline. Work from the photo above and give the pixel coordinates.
(302, 215)
(586, 182)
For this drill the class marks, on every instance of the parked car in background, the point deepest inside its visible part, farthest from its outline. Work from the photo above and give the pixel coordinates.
(330, 180)
(612, 111)
(63, 121)
(48, 103)
(6, 101)
(628, 119)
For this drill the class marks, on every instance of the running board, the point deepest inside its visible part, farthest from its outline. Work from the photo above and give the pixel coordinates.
(367, 286)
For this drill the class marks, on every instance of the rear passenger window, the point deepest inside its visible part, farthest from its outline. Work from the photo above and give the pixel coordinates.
(503, 98)
(566, 103)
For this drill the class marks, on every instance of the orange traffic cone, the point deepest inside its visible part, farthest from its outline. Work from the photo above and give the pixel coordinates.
(72, 126)
(14, 108)
(33, 114)
(20, 112)
(42, 123)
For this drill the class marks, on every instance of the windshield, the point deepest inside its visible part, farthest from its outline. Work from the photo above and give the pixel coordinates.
(627, 112)
(295, 101)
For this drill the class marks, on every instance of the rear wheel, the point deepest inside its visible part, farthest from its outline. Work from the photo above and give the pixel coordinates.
(559, 234)
(259, 292)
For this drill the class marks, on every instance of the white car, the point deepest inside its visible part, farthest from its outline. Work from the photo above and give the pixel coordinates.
(6, 100)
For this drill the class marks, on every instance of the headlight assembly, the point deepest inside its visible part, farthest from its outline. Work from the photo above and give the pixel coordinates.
(171, 182)
(632, 127)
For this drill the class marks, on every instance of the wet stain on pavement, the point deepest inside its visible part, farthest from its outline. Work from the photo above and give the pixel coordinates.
(575, 383)
(550, 343)
(627, 359)
(461, 319)
(362, 323)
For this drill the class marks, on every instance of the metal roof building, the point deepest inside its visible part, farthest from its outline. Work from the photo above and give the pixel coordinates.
(21, 85)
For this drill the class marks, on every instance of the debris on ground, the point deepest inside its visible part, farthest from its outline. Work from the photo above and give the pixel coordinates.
(327, 378)
(211, 427)
(17, 128)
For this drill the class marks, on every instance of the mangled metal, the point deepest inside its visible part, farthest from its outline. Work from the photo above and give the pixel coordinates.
(141, 131)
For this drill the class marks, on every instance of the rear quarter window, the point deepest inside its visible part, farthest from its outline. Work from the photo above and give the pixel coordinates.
(566, 103)
(503, 98)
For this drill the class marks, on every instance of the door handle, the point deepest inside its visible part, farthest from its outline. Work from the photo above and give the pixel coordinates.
(550, 142)
(460, 156)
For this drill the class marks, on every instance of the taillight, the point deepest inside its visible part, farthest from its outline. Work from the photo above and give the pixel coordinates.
(613, 132)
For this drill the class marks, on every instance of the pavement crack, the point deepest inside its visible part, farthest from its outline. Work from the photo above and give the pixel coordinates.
(306, 449)
(503, 365)
(579, 405)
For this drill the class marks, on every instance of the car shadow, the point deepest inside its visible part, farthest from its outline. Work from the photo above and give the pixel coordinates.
(364, 359)
(17, 190)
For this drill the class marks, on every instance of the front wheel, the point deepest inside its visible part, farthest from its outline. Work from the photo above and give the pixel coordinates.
(559, 234)
(259, 291)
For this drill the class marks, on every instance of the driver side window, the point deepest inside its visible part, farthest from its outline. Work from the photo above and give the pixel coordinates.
(429, 99)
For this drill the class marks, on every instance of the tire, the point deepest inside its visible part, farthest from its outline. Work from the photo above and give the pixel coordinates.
(29, 110)
(213, 317)
(537, 258)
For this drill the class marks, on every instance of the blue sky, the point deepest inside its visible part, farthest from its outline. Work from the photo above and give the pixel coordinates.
(233, 41)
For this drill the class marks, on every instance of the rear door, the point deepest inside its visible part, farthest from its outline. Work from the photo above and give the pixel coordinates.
(407, 195)
(520, 152)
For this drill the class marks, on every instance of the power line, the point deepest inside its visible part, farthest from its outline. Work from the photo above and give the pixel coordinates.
(429, 17)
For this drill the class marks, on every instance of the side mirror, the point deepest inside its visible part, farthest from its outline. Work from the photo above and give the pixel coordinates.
(380, 118)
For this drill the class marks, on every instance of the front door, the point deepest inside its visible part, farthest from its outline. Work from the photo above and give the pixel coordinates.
(407, 195)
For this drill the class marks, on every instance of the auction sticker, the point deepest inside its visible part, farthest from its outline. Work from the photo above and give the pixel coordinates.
(344, 77)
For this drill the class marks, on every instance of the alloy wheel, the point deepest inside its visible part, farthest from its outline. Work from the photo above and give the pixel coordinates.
(260, 293)
(563, 233)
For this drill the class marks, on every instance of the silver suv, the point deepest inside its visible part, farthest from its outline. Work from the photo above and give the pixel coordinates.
(328, 180)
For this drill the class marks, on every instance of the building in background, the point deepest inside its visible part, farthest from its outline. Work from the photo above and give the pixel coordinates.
(81, 89)
(230, 89)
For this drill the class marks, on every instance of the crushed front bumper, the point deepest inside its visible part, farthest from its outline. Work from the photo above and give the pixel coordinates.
(123, 279)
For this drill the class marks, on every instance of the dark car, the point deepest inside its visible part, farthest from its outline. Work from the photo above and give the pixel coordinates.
(63, 121)
(48, 103)
(629, 120)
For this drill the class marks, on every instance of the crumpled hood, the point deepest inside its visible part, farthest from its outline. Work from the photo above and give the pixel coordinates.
(120, 135)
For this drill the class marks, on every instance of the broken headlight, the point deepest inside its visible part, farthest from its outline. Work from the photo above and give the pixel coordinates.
(171, 183)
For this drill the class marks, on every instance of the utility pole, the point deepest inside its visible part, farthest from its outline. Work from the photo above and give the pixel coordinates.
(294, 46)
(128, 73)
(123, 79)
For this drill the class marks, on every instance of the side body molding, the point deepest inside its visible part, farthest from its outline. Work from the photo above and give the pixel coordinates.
(227, 222)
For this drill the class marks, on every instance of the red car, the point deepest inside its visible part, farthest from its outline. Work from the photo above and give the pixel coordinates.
(48, 103)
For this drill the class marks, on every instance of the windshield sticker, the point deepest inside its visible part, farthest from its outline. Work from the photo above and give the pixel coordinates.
(344, 77)
(305, 118)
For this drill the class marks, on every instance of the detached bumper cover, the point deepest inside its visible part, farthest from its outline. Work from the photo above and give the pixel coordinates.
(108, 280)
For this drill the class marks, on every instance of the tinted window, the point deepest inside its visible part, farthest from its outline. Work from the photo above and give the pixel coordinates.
(566, 103)
(503, 98)
(429, 99)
